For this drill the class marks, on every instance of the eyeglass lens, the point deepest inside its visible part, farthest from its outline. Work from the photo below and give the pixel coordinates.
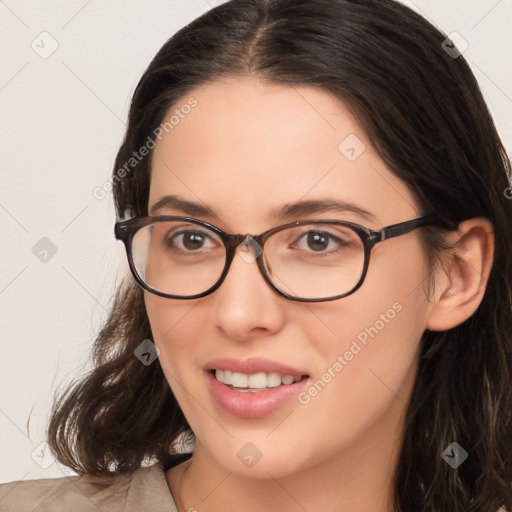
(307, 261)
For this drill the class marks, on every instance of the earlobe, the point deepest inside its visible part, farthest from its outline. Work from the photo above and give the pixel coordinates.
(461, 283)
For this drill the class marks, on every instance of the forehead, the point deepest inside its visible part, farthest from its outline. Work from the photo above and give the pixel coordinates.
(247, 147)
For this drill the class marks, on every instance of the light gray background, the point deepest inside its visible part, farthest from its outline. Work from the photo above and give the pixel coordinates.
(61, 122)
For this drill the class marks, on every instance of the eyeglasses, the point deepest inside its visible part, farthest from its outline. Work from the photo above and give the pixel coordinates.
(307, 261)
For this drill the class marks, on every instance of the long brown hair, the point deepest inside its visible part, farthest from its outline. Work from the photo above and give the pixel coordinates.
(425, 116)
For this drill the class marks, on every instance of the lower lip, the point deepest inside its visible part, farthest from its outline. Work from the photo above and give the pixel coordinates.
(253, 404)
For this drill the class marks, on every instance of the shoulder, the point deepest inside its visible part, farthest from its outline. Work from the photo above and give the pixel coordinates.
(144, 489)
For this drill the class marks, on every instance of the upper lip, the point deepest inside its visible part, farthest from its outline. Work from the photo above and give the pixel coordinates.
(253, 365)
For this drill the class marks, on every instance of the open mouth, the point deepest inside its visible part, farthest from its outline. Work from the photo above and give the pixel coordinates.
(254, 388)
(255, 382)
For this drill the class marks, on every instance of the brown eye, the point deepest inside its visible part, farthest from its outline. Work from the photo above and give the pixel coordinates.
(320, 241)
(188, 240)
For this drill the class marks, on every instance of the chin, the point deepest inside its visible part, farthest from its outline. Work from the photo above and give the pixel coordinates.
(260, 460)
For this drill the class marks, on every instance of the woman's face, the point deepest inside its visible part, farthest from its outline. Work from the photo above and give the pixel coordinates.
(246, 149)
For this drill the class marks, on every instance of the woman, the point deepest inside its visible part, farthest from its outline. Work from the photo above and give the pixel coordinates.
(314, 202)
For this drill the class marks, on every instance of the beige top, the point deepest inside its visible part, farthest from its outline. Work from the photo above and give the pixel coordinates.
(144, 490)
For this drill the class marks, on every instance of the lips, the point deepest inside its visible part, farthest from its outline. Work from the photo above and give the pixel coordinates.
(262, 402)
(254, 365)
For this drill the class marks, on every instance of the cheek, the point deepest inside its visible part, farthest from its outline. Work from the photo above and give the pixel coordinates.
(181, 336)
(364, 384)
(371, 358)
(175, 334)
(368, 346)
(168, 316)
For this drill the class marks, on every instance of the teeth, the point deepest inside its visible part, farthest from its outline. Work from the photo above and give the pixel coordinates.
(259, 380)
(273, 380)
(239, 380)
(256, 381)
(228, 377)
(287, 379)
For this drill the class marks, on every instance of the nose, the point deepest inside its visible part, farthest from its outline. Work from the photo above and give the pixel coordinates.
(245, 306)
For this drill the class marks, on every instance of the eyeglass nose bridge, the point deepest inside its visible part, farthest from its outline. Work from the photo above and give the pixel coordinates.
(248, 248)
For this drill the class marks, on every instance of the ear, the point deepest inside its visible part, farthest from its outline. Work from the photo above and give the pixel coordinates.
(461, 282)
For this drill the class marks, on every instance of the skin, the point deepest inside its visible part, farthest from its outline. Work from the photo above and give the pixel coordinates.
(249, 147)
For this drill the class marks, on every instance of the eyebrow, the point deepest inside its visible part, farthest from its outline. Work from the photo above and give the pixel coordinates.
(285, 212)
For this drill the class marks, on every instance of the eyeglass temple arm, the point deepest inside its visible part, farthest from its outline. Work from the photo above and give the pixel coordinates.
(405, 227)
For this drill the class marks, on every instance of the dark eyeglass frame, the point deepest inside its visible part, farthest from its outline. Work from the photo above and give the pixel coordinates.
(125, 231)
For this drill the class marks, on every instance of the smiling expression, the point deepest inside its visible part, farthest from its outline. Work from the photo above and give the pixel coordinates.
(247, 150)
